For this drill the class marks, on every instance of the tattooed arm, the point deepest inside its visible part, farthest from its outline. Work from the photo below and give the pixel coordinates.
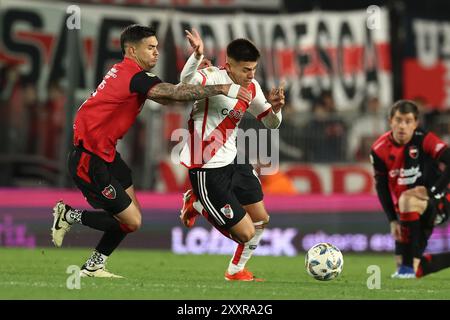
(188, 92)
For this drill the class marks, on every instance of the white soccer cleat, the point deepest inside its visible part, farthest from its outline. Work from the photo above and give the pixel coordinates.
(60, 225)
(98, 273)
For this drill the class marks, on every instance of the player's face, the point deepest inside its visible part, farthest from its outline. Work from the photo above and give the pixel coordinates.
(146, 53)
(403, 126)
(242, 72)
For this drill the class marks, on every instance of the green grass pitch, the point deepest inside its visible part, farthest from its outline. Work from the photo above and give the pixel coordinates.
(41, 274)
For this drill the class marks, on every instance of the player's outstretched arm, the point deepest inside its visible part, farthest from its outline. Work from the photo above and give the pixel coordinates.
(196, 60)
(188, 92)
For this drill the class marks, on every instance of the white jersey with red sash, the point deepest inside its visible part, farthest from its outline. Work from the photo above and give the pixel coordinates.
(213, 122)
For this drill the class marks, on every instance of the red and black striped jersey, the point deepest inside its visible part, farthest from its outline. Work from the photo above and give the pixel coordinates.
(108, 114)
(410, 165)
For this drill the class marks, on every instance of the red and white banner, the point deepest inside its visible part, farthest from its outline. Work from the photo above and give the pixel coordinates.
(349, 179)
(212, 4)
(426, 67)
(311, 52)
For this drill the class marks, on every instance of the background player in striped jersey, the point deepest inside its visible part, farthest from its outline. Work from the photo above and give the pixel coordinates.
(412, 189)
(227, 193)
(94, 164)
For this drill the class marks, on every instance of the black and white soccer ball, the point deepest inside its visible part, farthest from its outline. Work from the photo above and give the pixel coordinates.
(324, 261)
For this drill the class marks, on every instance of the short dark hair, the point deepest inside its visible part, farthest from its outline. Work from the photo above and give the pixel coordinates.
(135, 33)
(404, 107)
(242, 50)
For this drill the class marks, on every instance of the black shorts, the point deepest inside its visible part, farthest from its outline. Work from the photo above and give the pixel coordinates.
(223, 191)
(103, 184)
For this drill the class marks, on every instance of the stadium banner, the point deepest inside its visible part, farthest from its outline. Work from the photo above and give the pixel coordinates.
(210, 4)
(352, 223)
(305, 178)
(310, 52)
(426, 66)
(35, 38)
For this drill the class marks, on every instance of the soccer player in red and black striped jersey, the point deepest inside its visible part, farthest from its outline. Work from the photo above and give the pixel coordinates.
(412, 189)
(94, 164)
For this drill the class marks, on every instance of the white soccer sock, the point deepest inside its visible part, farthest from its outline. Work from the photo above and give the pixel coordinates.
(96, 260)
(73, 216)
(244, 251)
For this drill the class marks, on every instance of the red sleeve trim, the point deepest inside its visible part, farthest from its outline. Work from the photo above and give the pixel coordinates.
(265, 113)
(203, 76)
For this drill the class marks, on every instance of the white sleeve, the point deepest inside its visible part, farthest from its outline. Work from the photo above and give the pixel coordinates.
(272, 120)
(189, 73)
(262, 110)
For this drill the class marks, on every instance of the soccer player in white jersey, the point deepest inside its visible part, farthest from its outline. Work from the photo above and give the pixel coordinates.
(229, 195)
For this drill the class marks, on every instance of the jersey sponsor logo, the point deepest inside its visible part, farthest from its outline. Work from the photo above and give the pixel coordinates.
(234, 114)
(227, 211)
(109, 192)
(406, 176)
(413, 152)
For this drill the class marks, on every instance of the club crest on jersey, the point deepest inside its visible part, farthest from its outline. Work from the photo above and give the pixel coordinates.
(109, 192)
(413, 152)
(227, 211)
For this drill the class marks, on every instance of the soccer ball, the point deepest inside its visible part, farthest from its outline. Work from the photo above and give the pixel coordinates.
(324, 261)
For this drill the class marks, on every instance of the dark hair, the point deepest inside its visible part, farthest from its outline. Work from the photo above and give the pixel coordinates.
(135, 33)
(404, 107)
(242, 50)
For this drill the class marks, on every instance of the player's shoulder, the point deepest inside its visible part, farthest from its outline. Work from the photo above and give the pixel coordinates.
(210, 71)
(383, 141)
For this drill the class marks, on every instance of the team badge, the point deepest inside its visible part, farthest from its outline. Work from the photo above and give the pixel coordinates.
(109, 192)
(227, 211)
(413, 152)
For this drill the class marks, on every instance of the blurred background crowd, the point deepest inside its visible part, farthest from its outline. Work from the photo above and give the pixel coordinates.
(318, 128)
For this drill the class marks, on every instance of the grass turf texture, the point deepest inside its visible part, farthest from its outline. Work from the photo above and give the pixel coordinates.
(41, 274)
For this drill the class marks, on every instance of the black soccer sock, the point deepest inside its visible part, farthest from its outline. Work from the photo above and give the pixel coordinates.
(404, 250)
(100, 220)
(110, 241)
(431, 263)
(411, 241)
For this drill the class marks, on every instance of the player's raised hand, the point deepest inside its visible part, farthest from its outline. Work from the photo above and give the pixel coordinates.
(195, 41)
(276, 98)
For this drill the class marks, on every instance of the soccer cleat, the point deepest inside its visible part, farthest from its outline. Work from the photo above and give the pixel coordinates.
(189, 212)
(98, 273)
(404, 272)
(243, 275)
(60, 225)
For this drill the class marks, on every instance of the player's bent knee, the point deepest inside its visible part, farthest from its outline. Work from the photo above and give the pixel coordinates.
(131, 224)
(405, 202)
(262, 224)
(130, 227)
(410, 203)
(246, 236)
